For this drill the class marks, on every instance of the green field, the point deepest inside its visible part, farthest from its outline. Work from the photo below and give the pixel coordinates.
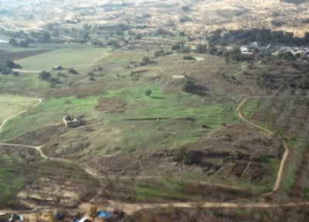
(80, 58)
(161, 120)
(12, 105)
(27, 81)
(48, 113)
(11, 179)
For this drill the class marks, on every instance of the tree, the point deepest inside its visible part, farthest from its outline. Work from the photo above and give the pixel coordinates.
(44, 75)
(146, 61)
(148, 92)
(73, 71)
(46, 37)
(24, 43)
(12, 65)
(201, 48)
(13, 42)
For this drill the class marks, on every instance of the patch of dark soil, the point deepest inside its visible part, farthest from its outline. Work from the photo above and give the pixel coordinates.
(166, 190)
(20, 153)
(235, 151)
(111, 105)
(66, 186)
(72, 149)
(192, 87)
(41, 136)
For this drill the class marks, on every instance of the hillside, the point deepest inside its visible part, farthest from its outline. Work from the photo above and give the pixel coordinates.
(182, 110)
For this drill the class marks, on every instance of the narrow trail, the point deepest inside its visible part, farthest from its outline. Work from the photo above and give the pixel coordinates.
(132, 208)
(268, 133)
(18, 114)
(27, 71)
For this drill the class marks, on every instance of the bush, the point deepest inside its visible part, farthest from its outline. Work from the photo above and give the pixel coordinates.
(201, 48)
(73, 71)
(146, 61)
(44, 75)
(148, 92)
(161, 53)
(185, 19)
(178, 46)
(194, 88)
(188, 57)
(13, 65)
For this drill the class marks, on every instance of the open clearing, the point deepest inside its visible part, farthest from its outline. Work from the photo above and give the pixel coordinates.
(49, 113)
(78, 58)
(11, 105)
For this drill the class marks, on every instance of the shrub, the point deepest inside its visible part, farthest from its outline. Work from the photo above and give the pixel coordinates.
(73, 71)
(188, 57)
(148, 92)
(44, 75)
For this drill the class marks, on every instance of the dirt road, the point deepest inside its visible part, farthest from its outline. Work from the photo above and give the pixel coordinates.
(18, 114)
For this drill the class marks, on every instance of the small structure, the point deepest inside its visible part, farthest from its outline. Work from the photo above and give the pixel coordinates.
(245, 50)
(104, 214)
(72, 122)
(178, 76)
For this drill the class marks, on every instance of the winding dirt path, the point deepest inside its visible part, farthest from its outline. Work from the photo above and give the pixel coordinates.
(37, 148)
(268, 133)
(132, 208)
(18, 114)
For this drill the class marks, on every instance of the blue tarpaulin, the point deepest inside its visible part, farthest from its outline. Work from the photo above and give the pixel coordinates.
(104, 214)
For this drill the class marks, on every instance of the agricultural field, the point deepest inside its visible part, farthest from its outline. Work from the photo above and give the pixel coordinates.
(131, 108)
(80, 58)
(49, 112)
(162, 117)
(12, 105)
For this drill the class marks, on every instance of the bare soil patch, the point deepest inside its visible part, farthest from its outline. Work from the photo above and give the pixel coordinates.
(41, 136)
(111, 105)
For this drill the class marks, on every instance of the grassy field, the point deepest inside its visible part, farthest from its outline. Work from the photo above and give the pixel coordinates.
(27, 81)
(12, 105)
(161, 120)
(170, 105)
(162, 190)
(49, 112)
(11, 180)
(80, 58)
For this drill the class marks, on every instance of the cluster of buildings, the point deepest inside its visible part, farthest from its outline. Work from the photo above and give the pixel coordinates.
(254, 48)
